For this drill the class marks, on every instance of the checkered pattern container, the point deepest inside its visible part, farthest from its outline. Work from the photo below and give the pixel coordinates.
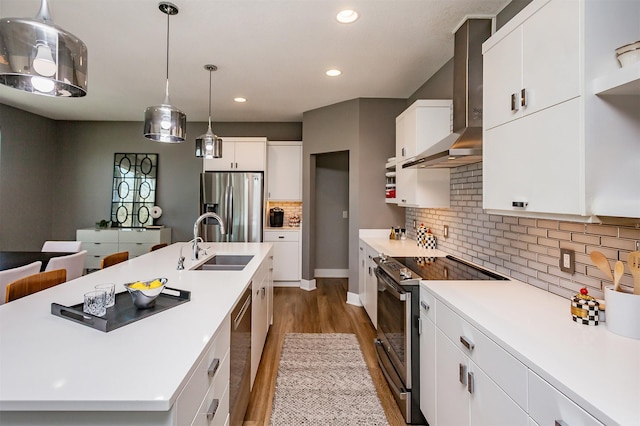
(421, 235)
(430, 241)
(585, 311)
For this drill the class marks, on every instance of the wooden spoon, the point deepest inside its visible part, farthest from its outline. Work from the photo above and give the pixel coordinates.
(602, 263)
(634, 266)
(617, 274)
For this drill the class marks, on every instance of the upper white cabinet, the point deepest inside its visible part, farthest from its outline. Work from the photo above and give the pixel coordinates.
(284, 171)
(423, 124)
(535, 66)
(559, 140)
(240, 154)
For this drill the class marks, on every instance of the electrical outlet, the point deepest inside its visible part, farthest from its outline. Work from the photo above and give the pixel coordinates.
(446, 231)
(567, 260)
(414, 224)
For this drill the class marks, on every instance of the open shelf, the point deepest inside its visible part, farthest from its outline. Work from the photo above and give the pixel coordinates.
(624, 81)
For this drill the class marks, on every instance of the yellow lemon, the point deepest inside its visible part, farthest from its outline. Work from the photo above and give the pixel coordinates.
(138, 285)
(155, 284)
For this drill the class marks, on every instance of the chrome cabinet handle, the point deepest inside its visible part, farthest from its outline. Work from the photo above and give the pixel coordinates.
(561, 423)
(523, 98)
(231, 165)
(424, 305)
(470, 382)
(514, 104)
(211, 412)
(404, 151)
(264, 291)
(213, 367)
(462, 372)
(467, 343)
(281, 236)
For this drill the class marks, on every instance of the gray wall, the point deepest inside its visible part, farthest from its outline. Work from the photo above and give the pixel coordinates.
(28, 155)
(332, 199)
(55, 177)
(366, 129)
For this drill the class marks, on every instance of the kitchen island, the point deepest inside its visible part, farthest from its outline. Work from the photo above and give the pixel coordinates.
(54, 371)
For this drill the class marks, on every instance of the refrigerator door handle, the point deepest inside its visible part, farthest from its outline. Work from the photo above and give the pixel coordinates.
(228, 196)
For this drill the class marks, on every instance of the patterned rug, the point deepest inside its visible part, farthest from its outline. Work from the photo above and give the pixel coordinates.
(324, 380)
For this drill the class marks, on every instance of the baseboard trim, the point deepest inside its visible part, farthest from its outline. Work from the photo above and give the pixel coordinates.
(353, 299)
(295, 284)
(331, 273)
(308, 285)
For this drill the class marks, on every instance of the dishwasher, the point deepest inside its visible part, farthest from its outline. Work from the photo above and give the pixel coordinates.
(240, 377)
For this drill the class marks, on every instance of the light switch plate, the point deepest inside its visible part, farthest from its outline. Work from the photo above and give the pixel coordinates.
(445, 233)
(567, 261)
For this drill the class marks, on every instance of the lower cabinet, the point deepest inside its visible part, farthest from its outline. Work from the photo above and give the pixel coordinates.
(287, 259)
(205, 398)
(367, 281)
(427, 357)
(262, 295)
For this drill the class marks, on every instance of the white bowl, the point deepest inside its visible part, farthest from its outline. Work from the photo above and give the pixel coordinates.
(628, 54)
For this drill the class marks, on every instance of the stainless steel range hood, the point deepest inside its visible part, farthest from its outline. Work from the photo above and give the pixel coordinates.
(464, 145)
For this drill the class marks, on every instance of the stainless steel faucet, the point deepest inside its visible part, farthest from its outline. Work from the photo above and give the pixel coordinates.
(196, 227)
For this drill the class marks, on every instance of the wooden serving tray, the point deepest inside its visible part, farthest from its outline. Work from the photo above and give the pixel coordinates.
(123, 312)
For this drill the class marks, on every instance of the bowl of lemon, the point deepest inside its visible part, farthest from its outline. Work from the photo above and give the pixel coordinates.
(144, 293)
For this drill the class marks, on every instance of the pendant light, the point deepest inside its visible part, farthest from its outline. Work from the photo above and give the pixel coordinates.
(165, 123)
(39, 57)
(209, 145)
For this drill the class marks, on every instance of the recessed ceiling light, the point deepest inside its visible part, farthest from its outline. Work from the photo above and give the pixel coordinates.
(333, 73)
(347, 16)
(240, 100)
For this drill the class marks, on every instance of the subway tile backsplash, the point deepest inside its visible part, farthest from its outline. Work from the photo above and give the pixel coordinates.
(523, 248)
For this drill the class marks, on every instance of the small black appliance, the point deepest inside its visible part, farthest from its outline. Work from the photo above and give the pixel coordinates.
(276, 217)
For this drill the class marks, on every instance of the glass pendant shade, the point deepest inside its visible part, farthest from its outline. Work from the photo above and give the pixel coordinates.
(209, 145)
(164, 122)
(39, 57)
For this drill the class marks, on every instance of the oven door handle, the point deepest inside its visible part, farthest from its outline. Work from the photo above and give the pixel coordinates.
(396, 390)
(389, 285)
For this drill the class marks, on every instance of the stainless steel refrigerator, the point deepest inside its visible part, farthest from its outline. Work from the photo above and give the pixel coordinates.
(237, 197)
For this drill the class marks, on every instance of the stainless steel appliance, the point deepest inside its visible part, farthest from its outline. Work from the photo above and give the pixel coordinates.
(397, 343)
(240, 359)
(238, 197)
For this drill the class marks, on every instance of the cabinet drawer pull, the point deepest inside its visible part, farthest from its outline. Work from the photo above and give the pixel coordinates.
(211, 412)
(467, 343)
(519, 204)
(404, 151)
(523, 98)
(369, 270)
(424, 305)
(213, 367)
(462, 372)
(561, 423)
(263, 291)
(514, 103)
(281, 236)
(470, 382)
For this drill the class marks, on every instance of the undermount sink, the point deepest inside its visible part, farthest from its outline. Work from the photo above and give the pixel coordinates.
(225, 262)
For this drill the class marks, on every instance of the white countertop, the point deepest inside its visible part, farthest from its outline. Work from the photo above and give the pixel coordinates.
(598, 370)
(399, 248)
(48, 363)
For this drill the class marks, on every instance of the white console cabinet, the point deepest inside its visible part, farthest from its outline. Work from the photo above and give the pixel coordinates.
(101, 242)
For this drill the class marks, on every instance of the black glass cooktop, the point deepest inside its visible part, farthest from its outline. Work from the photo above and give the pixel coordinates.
(446, 268)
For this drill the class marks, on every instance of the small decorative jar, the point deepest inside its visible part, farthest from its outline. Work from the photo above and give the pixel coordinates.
(584, 308)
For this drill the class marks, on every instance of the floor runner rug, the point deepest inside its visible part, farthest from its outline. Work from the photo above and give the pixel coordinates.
(324, 380)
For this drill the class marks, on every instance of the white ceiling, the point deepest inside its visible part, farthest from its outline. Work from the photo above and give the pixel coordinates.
(273, 52)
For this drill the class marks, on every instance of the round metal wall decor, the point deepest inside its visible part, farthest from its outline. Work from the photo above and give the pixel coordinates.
(134, 189)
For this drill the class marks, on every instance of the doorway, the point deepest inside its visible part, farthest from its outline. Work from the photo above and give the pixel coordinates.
(331, 215)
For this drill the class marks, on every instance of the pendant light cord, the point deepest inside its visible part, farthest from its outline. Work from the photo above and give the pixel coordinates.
(210, 98)
(167, 87)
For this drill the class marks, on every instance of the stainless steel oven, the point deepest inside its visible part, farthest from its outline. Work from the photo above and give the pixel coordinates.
(397, 343)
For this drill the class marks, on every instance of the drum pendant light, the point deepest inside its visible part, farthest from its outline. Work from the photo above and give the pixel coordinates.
(209, 145)
(39, 57)
(165, 123)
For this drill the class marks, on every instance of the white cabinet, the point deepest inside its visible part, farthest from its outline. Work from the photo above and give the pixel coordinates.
(102, 242)
(551, 144)
(535, 66)
(239, 154)
(207, 390)
(368, 282)
(284, 171)
(287, 259)
(427, 356)
(477, 382)
(420, 126)
(262, 289)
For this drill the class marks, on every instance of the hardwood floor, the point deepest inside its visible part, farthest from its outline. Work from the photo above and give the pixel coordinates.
(323, 310)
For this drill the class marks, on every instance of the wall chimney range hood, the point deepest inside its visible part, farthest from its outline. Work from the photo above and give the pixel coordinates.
(464, 145)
